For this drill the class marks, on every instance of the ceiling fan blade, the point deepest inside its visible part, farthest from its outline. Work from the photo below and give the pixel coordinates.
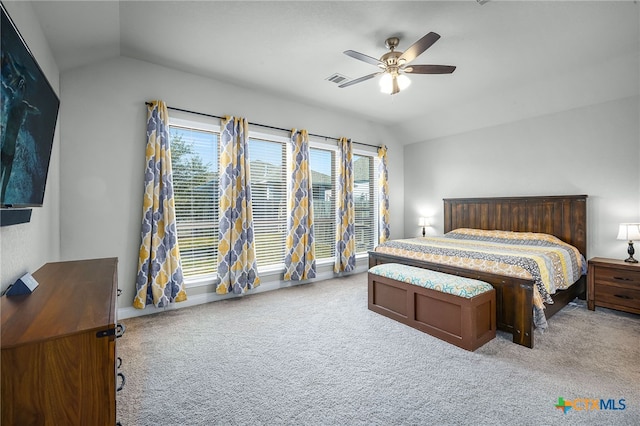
(418, 47)
(430, 69)
(359, 80)
(362, 57)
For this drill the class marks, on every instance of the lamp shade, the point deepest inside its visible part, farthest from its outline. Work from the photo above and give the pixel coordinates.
(629, 231)
(403, 82)
(386, 82)
(422, 221)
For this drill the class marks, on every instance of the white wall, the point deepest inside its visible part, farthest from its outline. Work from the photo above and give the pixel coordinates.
(26, 247)
(593, 150)
(102, 155)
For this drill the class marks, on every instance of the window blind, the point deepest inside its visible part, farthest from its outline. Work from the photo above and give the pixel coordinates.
(194, 160)
(323, 179)
(268, 164)
(195, 153)
(364, 200)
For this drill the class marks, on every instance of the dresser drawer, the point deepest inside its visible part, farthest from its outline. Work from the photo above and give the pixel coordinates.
(614, 294)
(617, 276)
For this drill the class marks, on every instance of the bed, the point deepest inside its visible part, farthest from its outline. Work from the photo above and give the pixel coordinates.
(563, 217)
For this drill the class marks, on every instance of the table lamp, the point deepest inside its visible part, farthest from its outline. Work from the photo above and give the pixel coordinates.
(629, 232)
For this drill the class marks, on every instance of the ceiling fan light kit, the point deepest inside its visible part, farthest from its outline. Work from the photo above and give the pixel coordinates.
(387, 82)
(394, 64)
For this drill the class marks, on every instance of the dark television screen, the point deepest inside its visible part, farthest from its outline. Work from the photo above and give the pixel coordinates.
(29, 114)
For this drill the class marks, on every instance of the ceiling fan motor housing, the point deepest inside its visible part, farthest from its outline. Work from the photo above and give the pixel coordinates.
(390, 59)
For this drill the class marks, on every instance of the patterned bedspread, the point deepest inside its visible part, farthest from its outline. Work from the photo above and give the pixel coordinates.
(551, 263)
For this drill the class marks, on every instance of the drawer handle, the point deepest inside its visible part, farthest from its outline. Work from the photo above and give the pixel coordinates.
(119, 362)
(121, 384)
(120, 330)
(622, 279)
(623, 296)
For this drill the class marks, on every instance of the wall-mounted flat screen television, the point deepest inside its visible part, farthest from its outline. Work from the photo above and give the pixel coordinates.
(29, 114)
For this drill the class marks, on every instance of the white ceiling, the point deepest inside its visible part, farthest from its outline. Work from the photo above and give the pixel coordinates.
(504, 51)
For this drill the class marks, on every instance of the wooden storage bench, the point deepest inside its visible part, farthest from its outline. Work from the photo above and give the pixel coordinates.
(458, 310)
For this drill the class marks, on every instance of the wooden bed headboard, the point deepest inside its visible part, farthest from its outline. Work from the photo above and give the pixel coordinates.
(563, 216)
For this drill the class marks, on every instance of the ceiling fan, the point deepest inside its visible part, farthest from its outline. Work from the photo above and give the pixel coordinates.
(395, 64)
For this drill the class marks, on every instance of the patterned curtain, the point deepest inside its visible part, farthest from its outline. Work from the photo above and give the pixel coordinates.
(300, 261)
(346, 212)
(384, 231)
(237, 266)
(159, 280)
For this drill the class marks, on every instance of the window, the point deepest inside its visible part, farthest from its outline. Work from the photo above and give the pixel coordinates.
(195, 156)
(323, 180)
(364, 200)
(194, 160)
(268, 160)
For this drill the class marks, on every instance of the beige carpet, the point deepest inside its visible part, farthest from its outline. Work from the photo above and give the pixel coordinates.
(315, 355)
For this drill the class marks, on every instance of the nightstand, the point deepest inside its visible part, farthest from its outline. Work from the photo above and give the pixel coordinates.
(613, 284)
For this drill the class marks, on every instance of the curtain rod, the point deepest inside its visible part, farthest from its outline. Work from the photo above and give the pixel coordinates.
(262, 125)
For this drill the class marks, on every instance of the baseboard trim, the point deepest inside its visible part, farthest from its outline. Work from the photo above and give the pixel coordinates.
(199, 299)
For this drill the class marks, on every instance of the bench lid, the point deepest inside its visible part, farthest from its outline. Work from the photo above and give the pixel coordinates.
(439, 281)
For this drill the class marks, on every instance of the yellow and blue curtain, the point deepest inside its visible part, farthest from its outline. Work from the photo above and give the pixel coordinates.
(237, 266)
(345, 219)
(159, 280)
(300, 259)
(384, 230)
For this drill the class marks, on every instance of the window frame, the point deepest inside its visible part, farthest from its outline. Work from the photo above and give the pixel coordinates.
(374, 197)
(274, 267)
(204, 124)
(334, 175)
(314, 143)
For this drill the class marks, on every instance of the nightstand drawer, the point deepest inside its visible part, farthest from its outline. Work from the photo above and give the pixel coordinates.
(617, 276)
(615, 294)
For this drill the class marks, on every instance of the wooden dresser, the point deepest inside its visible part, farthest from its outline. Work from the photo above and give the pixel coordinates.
(613, 284)
(59, 347)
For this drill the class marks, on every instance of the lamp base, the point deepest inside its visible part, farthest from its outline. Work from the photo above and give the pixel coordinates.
(630, 251)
